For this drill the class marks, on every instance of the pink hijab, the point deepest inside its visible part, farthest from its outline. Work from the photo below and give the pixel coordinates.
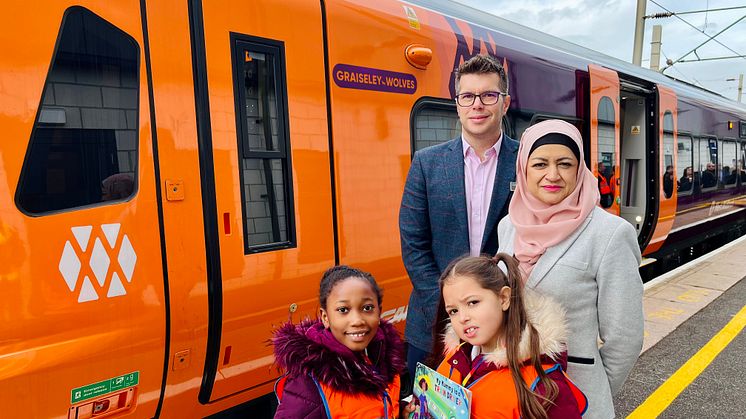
(538, 225)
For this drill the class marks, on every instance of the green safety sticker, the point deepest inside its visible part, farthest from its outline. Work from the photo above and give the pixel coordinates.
(103, 387)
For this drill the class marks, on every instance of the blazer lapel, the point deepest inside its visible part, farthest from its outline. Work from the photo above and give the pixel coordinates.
(454, 167)
(553, 254)
(505, 173)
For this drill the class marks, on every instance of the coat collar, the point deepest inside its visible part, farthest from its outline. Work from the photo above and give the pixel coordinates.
(547, 317)
(309, 349)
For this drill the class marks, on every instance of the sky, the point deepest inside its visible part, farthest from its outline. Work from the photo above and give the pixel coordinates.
(608, 26)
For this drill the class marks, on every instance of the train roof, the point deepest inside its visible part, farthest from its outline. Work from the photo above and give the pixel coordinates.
(504, 26)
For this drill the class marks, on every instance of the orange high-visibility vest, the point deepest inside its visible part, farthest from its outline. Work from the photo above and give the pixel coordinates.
(603, 185)
(354, 406)
(494, 395)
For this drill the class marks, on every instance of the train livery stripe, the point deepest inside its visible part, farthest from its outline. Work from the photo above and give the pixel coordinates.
(657, 402)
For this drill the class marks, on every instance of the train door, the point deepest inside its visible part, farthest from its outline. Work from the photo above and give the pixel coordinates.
(81, 273)
(666, 123)
(265, 143)
(635, 132)
(605, 135)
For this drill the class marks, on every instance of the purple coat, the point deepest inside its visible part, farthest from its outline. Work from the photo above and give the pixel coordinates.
(309, 353)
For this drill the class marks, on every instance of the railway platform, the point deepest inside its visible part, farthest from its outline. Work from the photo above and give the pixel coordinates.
(694, 341)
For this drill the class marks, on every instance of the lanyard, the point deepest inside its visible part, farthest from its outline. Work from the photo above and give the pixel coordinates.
(473, 369)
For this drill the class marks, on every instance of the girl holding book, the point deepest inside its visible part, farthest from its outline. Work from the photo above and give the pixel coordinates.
(347, 362)
(502, 342)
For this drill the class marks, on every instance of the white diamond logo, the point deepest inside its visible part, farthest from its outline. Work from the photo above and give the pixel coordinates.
(87, 292)
(99, 262)
(111, 231)
(116, 288)
(127, 258)
(70, 266)
(82, 234)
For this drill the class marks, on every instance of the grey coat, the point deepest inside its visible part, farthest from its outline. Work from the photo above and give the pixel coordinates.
(594, 275)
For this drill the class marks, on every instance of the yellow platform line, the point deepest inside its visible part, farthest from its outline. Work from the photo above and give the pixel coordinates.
(661, 398)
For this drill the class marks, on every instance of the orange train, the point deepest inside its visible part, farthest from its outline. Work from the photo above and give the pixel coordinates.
(176, 175)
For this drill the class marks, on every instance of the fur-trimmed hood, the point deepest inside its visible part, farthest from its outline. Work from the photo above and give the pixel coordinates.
(309, 348)
(548, 318)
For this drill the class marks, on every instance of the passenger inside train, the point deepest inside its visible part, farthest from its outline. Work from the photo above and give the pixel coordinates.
(668, 181)
(710, 176)
(604, 186)
(687, 180)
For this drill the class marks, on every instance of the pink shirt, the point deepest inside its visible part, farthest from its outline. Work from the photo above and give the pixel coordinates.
(479, 179)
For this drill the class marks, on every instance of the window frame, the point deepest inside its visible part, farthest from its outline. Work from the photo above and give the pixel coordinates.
(685, 136)
(721, 157)
(238, 44)
(668, 131)
(707, 138)
(449, 105)
(426, 103)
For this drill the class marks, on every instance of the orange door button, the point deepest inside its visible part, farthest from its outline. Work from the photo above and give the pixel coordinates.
(174, 190)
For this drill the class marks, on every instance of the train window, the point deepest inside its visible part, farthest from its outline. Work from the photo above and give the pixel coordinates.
(708, 162)
(606, 151)
(263, 143)
(668, 175)
(685, 166)
(729, 173)
(435, 123)
(539, 117)
(83, 147)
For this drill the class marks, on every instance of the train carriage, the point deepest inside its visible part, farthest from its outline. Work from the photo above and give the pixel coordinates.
(176, 175)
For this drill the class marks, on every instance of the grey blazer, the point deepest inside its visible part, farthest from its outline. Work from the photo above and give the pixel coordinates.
(594, 275)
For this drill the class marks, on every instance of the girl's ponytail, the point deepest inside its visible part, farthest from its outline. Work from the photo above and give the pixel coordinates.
(516, 323)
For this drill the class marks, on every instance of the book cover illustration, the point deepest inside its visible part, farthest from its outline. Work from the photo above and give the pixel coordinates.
(437, 397)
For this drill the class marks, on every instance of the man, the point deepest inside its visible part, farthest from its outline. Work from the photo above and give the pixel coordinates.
(455, 194)
(710, 176)
(604, 188)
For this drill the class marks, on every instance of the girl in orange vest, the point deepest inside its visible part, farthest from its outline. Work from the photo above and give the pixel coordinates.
(345, 364)
(504, 343)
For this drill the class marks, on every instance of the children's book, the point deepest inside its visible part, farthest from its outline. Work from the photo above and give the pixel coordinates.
(437, 397)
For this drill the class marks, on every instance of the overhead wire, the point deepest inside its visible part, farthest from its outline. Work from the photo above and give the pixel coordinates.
(698, 30)
(686, 78)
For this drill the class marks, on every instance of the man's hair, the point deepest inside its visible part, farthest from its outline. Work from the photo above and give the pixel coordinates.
(483, 64)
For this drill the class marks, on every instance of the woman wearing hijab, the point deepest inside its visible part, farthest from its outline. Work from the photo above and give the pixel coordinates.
(582, 256)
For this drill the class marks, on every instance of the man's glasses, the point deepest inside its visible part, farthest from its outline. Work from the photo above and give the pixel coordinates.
(487, 98)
